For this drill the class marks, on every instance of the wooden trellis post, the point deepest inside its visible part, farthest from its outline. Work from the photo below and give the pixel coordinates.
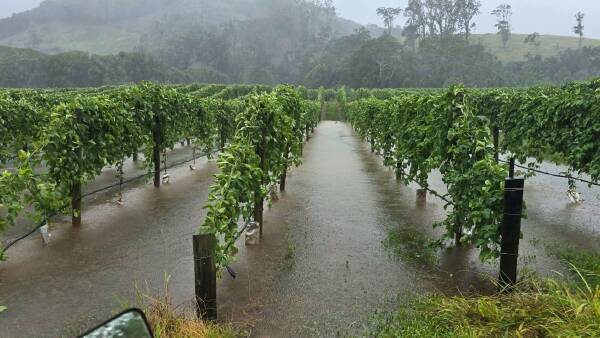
(205, 276)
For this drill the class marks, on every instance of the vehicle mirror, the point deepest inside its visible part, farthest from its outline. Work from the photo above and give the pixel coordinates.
(129, 324)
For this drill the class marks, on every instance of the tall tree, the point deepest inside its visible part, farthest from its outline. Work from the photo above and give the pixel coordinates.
(437, 18)
(415, 21)
(411, 34)
(466, 11)
(376, 64)
(578, 29)
(532, 39)
(442, 17)
(388, 14)
(503, 14)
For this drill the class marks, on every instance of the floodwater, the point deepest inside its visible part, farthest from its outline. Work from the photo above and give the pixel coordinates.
(344, 240)
(330, 270)
(109, 178)
(85, 275)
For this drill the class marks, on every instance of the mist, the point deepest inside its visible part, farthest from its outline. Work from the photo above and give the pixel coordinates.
(9, 7)
(79, 43)
(554, 17)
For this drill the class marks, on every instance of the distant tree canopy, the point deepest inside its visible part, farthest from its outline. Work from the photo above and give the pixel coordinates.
(289, 41)
(28, 68)
(579, 27)
(431, 18)
(503, 14)
(388, 14)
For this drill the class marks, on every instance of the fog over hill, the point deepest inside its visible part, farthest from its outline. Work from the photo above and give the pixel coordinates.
(553, 17)
(307, 42)
(110, 26)
(9, 7)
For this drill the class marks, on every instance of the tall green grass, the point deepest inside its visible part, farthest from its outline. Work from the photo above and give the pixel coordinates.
(587, 263)
(536, 308)
(552, 307)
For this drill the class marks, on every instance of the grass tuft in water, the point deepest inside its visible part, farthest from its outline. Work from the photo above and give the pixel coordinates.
(411, 246)
(171, 321)
(587, 263)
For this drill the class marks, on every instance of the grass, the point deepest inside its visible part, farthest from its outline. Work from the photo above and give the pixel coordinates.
(536, 308)
(552, 307)
(516, 49)
(171, 321)
(411, 246)
(59, 37)
(290, 251)
(587, 263)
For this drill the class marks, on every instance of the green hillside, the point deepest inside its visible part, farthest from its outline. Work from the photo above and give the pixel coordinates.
(110, 26)
(107, 26)
(264, 41)
(517, 49)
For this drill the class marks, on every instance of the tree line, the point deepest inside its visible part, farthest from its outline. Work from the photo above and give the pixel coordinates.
(306, 43)
(442, 18)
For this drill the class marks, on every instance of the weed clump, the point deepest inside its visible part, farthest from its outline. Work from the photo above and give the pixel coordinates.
(180, 321)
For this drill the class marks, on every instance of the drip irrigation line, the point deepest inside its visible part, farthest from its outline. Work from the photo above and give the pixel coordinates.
(11, 158)
(242, 230)
(115, 185)
(438, 195)
(431, 191)
(553, 174)
(176, 164)
(31, 232)
(173, 165)
(129, 180)
(239, 234)
(231, 272)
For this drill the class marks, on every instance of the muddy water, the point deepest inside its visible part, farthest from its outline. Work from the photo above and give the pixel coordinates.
(344, 240)
(85, 275)
(328, 268)
(108, 177)
(327, 262)
(552, 222)
(552, 216)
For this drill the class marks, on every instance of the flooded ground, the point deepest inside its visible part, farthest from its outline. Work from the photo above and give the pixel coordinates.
(85, 275)
(331, 270)
(343, 241)
(109, 178)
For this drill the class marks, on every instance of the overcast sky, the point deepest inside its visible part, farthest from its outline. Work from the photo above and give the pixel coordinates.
(8, 7)
(544, 16)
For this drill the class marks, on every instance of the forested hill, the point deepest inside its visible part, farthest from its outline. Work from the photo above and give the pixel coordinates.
(112, 26)
(20, 67)
(92, 42)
